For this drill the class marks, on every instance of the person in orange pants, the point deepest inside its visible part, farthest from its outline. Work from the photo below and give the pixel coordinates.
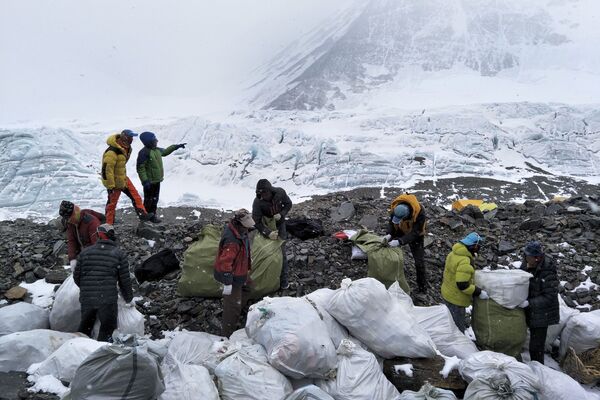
(114, 175)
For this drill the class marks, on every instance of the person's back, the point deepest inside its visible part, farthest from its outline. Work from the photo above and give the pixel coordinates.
(80, 226)
(457, 268)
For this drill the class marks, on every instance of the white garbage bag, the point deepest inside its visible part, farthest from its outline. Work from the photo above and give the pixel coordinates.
(198, 348)
(319, 299)
(295, 338)
(188, 382)
(358, 377)
(555, 330)
(358, 254)
(63, 363)
(557, 385)
(248, 375)
(428, 392)
(241, 337)
(309, 392)
(379, 320)
(129, 320)
(507, 287)
(21, 317)
(66, 309)
(498, 386)
(582, 332)
(21, 349)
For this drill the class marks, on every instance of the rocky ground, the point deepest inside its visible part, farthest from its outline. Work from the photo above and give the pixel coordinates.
(570, 230)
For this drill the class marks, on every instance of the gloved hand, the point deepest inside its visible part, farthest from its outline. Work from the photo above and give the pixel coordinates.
(227, 290)
(386, 238)
(73, 264)
(274, 235)
(524, 304)
(394, 243)
(146, 185)
(277, 217)
(484, 295)
(181, 145)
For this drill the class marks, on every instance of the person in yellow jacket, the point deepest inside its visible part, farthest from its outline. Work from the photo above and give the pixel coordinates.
(114, 175)
(458, 288)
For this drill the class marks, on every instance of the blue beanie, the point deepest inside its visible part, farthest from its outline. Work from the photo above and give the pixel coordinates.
(471, 239)
(534, 249)
(400, 212)
(147, 138)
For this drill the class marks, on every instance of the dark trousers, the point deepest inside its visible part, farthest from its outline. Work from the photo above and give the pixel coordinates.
(417, 248)
(537, 343)
(283, 278)
(232, 309)
(458, 315)
(106, 313)
(151, 195)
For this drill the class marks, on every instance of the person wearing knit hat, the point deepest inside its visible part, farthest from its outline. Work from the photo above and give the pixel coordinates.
(273, 202)
(80, 226)
(100, 270)
(150, 169)
(541, 307)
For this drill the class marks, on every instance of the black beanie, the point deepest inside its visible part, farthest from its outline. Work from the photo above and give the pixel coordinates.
(263, 185)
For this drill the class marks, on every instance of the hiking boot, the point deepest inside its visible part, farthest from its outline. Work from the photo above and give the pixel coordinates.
(284, 285)
(146, 217)
(155, 219)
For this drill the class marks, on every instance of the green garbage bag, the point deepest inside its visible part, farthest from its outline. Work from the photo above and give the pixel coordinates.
(198, 265)
(267, 261)
(386, 264)
(498, 328)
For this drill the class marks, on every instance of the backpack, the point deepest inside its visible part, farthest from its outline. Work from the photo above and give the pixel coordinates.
(156, 266)
(304, 228)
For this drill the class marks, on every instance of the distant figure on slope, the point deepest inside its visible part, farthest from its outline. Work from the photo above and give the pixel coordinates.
(232, 267)
(541, 306)
(458, 288)
(100, 268)
(81, 226)
(114, 175)
(273, 202)
(406, 225)
(150, 170)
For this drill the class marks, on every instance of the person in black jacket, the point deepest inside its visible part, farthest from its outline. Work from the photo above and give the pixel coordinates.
(99, 269)
(541, 306)
(272, 202)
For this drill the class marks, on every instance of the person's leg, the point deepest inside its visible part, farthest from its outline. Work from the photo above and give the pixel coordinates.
(154, 200)
(136, 200)
(417, 249)
(147, 197)
(107, 314)
(88, 319)
(537, 342)
(232, 308)
(111, 206)
(283, 278)
(459, 315)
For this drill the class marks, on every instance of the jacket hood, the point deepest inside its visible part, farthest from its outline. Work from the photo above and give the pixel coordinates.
(461, 250)
(112, 141)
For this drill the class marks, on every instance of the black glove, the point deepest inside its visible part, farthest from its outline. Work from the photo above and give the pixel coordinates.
(181, 145)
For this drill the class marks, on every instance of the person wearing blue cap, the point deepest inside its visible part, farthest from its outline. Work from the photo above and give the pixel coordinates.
(114, 175)
(150, 169)
(458, 287)
(541, 306)
(406, 225)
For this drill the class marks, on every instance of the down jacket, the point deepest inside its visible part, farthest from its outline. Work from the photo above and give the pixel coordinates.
(280, 204)
(543, 307)
(114, 160)
(233, 262)
(149, 163)
(99, 269)
(411, 228)
(458, 269)
(81, 230)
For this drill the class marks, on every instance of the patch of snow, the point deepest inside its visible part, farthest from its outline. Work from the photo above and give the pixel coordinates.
(564, 245)
(3, 302)
(47, 383)
(196, 213)
(179, 217)
(586, 269)
(407, 369)
(469, 310)
(151, 243)
(42, 292)
(450, 363)
(68, 266)
(588, 284)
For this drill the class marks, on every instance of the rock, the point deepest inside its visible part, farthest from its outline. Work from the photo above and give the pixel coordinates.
(472, 211)
(452, 223)
(56, 277)
(19, 270)
(369, 222)
(505, 247)
(147, 232)
(531, 224)
(60, 246)
(15, 293)
(40, 272)
(30, 277)
(553, 209)
(344, 212)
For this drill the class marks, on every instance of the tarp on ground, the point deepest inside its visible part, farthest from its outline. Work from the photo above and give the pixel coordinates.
(483, 206)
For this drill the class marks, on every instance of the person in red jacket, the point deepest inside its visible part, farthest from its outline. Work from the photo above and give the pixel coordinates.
(232, 267)
(81, 226)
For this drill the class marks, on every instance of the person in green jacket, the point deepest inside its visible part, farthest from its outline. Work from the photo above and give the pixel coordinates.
(150, 169)
(458, 288)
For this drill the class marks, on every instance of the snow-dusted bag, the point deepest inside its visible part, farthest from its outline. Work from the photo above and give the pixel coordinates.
(489, 367)
(498, 386)
(66, 309)
(358, 377)
(295, 338)
(377, 319)
(188, 382)
(310, 392)
(554, 331)
(129, 320)
(319, 299)
(440, 326)
(557, 385)
(198, 348)
(248, 375)
(428, 392)
(358, 254)
(582, 332)
(21, 349)
(507, 287)
(63, 363)
(118, 372)
(21, 317)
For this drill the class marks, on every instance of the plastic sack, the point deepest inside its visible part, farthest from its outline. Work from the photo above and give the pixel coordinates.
(319, 299)
(498, 328)
(129, 320)
(63, 363)
(507, 287)
(65, 315)
(21, 317)
(248, 375)
(188, 382)
(21, 349)
(118, 372)
(241, 339)
(267, 261)
(358, 377)
(358, 254)
(498, 386)
(309, 392)
(557, 385)
(555, 330)
(582, 332)
(197, 348)
(428, 392)
(295, 338)
(380, 321)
